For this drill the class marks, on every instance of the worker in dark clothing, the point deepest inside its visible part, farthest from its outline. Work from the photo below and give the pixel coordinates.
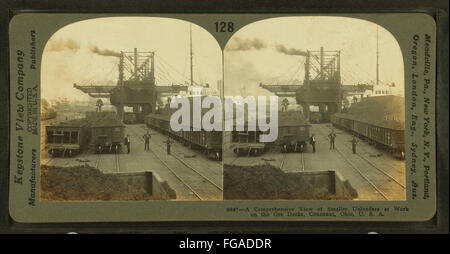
(354, 142)
(332, 137)
(147, 137)
(285, 104)
(312, 141)
(127, 142)
(168, 142)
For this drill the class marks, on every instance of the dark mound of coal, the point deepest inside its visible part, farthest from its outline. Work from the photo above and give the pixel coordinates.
(85, 183)
(267, 182)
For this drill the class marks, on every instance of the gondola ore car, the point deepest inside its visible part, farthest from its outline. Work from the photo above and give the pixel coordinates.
(316, 117)
(67, 138)
(380, 120)
(130, 117)
(247, 142)
(293, 132)
(209, 142)
(293, 135)
(107, 132)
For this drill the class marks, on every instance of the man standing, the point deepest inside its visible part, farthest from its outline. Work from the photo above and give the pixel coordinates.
(312, 141)
(285, 104)
(127, 142)
(354, 142)
(168, 142)
(332, 137)
(147, 141)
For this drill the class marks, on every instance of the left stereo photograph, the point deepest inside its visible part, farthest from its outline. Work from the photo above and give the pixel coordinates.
(106, 87)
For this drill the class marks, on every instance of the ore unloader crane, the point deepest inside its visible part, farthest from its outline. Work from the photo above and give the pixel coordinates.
(136, 86)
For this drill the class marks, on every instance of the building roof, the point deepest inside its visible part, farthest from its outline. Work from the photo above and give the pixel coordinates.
(71, 123)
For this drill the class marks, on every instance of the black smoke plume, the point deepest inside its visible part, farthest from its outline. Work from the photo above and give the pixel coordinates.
(239, 44)
(290, 51)
(56, 45)
(103, 52)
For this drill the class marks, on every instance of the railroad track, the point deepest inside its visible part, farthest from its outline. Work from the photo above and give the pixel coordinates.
(117, 162)
(302, 155)
(99, 158)
(46, 162)
(145, 128)
(364, 175)
(174, 154)
(234, 159)
(116, 167)
(302, 161)
(177, 174)
(377, 168)
(283, 161)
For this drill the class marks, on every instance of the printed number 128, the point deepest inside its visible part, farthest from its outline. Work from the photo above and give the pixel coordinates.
(224, 27)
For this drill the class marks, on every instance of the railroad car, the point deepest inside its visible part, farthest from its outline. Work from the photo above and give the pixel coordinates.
(247, 143)
(293, 132)
(209, 142)
(293, 135)
(101, 131)
(107, 132)
(130, 118)
(67, 138)
(316, 117)
(380, 120)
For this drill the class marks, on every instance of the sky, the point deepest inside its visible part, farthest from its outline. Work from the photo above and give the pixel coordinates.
(251, 55)
(69, 56)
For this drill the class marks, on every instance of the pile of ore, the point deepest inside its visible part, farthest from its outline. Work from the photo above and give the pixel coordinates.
(85, 183)
(267, 182)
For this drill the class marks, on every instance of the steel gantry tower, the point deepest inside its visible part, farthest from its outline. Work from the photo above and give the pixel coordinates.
(322, 83)
(136, 86)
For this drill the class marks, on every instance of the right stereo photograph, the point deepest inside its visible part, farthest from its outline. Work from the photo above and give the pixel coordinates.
(319, 111)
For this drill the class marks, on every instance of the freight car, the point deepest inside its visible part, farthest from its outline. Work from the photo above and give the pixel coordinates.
(68, 138)
(293, 134)
(380, 120)
(107, 132)
(101, 131)
(209, 142)
(247, 143)
(130, 117)
(316, 117)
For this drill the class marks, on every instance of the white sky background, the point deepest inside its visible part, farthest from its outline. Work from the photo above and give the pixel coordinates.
(356, 39)
(63, 66)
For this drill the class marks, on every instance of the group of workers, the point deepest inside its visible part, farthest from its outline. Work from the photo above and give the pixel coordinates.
(332, 137)
(312, 142)
(146, 137)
